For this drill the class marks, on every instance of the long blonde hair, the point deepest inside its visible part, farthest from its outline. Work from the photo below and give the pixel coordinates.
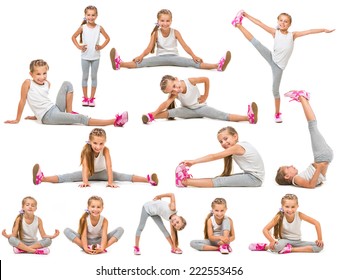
(87, 151)
(218, 201)
(83, 218)
(161, 12)
(184, 223)
(227, 160)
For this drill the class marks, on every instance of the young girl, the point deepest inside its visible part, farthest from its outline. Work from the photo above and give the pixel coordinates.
(283, 47)
(24, 232)
(193, 104)
(286, 226)
(92, 234)
(36, 92)
(158, 209)
(315, 174)
(90, 48)
(243, 153)
(96, 166)
(218, 230)
(165, 38)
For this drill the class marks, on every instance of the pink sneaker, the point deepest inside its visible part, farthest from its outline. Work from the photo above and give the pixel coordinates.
(18, 251)
(85, 101)
(295, 94)
(153, 179)
(238, 19)
(37, 175)
(147, 118)
(257, 246)
(121, 120)
(278, 117)
(253, 113)
(115, 59)
(286, 249)
(176, 251)
(181, 173)
(42, 251)
(91, 102)
(96, 246)
(137, 250)
(74, 113)
(225, 249)
(223, 63)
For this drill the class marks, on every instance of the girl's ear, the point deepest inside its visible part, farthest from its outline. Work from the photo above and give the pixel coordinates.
(31, 74)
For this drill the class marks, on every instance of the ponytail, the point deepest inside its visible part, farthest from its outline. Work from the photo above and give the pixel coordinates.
(154, 30)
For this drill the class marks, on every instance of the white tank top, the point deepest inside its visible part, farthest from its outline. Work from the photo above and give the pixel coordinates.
(307, 174)
(190, 98)
(292, 230)
(283, 47)
(30, 230)
(38, 99)
(218, 229)
(166, 45)
(94, 231)
(91, 38)
(159, 208)
(100, 162)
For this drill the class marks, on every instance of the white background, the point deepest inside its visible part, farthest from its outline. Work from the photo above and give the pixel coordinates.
(43, 29)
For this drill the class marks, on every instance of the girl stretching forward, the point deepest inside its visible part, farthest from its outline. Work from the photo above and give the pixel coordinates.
(90, 48)
(287, 230)
(24, 233)
(193, 104)
(165, 38)
(282, 50)
(92, 235)
(157, 209)
(315, 174)
(218, 230)
(96, 166)
(243, 153)
(36, 92)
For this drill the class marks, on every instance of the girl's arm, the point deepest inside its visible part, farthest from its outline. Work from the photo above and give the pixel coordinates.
(174, 248)
(105, 43)
(266, 232)
(24, 92)
(186, 47)
(84, 240)
(43, 233)
(104, 238)
(301, 182)
(232, 230)
(298, 34)
(15, 230)
(76, 43)
(268, 29)
(221, 239)
(164, 105)
(172, 203)
(153, 38)
(314, 222)
(234, 150)
(109, 168)
(206, 83)
(85, 173)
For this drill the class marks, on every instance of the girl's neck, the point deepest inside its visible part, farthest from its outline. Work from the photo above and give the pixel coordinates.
(284, 31)
(165, 33)
(91, 25)
(94, 219)
(28, 217)
(184, 86)
(219, 221)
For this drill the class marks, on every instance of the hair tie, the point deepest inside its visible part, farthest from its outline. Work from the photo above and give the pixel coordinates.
(281, 210)
(85, 19)
(22, 211)
(87, 211)
(211, 213)
(88, 142)
(157, 24)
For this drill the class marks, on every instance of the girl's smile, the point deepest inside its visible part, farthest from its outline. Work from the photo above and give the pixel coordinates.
(39, 75)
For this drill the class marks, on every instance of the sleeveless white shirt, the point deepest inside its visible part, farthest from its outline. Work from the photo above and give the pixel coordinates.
(94, 231)
(91, 38)
(30, 230)
(166, 45)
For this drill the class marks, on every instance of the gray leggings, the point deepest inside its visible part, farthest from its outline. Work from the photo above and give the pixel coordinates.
(57, 115)
(204, 111)
(14, 241)
(94, 65)
(98, 176)
(321, 150)
(71, 234)
(237, 180)
(295, 243)
(277, 72)
(157, 219)
(168, 60)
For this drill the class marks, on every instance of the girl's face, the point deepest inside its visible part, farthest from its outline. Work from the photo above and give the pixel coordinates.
(227, 140)
(97, 143)
(164, 21)
(29, 206)
(283, 22)
(219, 211)
(39, 74)
(91, 15)
(95, 208)
(290, 207)
(174, 87)
(290, 171)
(176, 222)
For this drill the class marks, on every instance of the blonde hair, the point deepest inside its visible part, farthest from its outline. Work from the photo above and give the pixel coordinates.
(218, 201)
(227, 160)
(161, 12)
(84, 20)
(285, 14)
(184, 223)
(87, 153)
(280, 177)
(37, 63)
(83, 218)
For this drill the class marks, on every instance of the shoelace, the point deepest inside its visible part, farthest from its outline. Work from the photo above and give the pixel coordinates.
(39, 177)
(251, 115)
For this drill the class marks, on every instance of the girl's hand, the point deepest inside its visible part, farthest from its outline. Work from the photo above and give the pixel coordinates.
(4, 233)
(83, 48)
(114, 186)
(328, 30)
(202, 99)
(188, 163)
(197, 59)
(272, 244)
(88, 251)
(138, 59)
(32, 118)
(56, 233)
(12, 121)
(157, 197)
(84, 185)
(320, 243)
(98, 47)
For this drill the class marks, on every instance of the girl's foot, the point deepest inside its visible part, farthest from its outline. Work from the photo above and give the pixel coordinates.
(286, 249)
(181, 173)
(257, 246)
(137, 250)
(147, 118)
(115, 59)
(223, 63)
(153, 179)
(253, 113)
(91, 102)
(42, 251)
(18, 251)
(37, 175)
(121, 120)
(278, 117)
(85, 101)
(176, 251)
(295, 94)
(238, 19)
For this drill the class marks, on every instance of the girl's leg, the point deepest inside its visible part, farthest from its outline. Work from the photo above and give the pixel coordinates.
(69, 177)
(73, 236)
(212, 113)
(94, 69)
(305, 246)
(142, 223)
(309, 114)
(245, 32)
(114, 236)
(85, 64)
(199, 183)
(64, 99)
(159, 223)
(16, 242)
(203, 245)
(131, 64)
